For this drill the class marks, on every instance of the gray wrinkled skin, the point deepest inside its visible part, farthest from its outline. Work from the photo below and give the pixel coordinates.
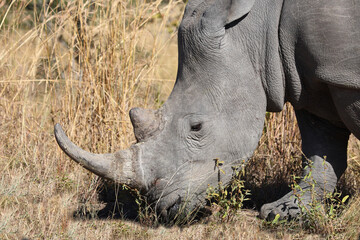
(237, 60)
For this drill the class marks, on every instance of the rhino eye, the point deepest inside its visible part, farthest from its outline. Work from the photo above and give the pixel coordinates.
(196, 127)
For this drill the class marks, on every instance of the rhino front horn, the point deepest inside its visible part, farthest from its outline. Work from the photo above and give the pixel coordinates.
(145, 122)
(121, 167)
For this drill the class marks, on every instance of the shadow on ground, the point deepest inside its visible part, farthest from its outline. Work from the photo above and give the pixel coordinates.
(118, 203)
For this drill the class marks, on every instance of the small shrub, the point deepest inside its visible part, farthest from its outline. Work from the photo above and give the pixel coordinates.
(320, 216)
(228, 199)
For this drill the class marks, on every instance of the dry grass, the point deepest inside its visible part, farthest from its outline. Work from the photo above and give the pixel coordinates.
(85, 64)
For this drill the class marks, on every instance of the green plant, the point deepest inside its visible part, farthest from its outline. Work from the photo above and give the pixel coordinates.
(228, 199)
(321, 214)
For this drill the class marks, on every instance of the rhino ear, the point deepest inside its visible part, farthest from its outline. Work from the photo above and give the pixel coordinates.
(238, 9)
(224, 12)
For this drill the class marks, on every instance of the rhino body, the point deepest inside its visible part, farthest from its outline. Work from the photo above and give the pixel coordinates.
(237, 60)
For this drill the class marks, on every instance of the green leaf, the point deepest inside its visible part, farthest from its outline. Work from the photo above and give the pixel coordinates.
(345, 198)
(276, 219)
(331, 210)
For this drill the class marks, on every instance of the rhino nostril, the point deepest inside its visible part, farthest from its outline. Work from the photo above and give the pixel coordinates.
(174, 208)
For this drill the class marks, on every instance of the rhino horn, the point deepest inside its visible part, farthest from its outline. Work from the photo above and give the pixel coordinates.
(121, 167)
(145, 122)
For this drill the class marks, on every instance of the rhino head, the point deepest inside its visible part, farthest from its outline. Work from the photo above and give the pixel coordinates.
(215, 111)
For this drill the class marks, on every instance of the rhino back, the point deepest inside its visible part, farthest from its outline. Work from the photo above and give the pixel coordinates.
(320, 46)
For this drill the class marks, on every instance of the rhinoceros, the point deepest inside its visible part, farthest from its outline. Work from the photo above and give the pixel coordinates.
(237, 60)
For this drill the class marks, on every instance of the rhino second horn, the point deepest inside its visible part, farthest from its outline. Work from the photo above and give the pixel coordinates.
(120, 167)
(145, 122)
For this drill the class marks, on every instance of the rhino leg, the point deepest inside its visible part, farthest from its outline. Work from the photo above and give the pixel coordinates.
(325, 147)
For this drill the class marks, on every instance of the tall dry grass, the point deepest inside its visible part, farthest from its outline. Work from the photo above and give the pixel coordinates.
(85, 64)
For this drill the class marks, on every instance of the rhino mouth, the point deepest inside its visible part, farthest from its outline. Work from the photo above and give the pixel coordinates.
(179, 213)
(183, 213)
(172, 211)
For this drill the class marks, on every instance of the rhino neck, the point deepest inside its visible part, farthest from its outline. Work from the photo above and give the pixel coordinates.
(263, 27)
